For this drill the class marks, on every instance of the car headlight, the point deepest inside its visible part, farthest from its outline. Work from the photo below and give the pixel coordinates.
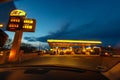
(1, 54)
(106, 53)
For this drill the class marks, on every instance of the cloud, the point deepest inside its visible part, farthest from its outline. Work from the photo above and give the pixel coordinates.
(31, 39)
(96, 30)
(52, 35)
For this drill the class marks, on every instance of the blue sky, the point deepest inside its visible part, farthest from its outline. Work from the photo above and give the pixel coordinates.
(72, 19)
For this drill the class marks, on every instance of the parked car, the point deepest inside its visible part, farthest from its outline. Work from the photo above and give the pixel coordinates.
(106, 53)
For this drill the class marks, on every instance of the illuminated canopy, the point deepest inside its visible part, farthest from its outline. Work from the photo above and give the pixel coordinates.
(18, 13)
(68, 43)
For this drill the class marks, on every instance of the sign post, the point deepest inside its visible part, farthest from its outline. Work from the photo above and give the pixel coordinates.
(14, 53)
(18, 23)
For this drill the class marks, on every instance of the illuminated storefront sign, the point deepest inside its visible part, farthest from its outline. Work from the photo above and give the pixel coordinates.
(18, 21)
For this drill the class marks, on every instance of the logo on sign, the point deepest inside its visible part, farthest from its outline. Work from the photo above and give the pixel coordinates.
(18, 13)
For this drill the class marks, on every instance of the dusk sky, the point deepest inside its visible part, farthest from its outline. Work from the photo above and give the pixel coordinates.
(69, 19)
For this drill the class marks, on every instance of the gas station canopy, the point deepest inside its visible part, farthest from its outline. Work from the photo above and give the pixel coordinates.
(70, 43)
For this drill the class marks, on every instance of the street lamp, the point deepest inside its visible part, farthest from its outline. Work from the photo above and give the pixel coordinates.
(1, 25)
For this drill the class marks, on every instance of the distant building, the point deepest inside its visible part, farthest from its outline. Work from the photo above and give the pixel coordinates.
(3, 38)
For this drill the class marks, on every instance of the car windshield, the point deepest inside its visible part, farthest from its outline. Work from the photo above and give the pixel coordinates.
(73, 33)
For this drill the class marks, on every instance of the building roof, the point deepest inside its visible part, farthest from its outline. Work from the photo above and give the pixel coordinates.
(70, 43)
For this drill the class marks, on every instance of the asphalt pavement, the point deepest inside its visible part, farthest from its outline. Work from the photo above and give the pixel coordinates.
(95, 63)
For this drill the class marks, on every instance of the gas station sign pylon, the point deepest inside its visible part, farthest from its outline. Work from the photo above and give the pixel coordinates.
(18, 23)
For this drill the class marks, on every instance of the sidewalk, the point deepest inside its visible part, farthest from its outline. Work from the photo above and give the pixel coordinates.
(68, 55)
(77, 55)
(116, 55)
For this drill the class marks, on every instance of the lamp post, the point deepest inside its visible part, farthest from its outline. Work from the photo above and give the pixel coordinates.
(1, 25)
(39, 46)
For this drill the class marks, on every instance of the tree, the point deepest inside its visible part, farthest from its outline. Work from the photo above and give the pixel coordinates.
(27, 48)
(8, 44)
